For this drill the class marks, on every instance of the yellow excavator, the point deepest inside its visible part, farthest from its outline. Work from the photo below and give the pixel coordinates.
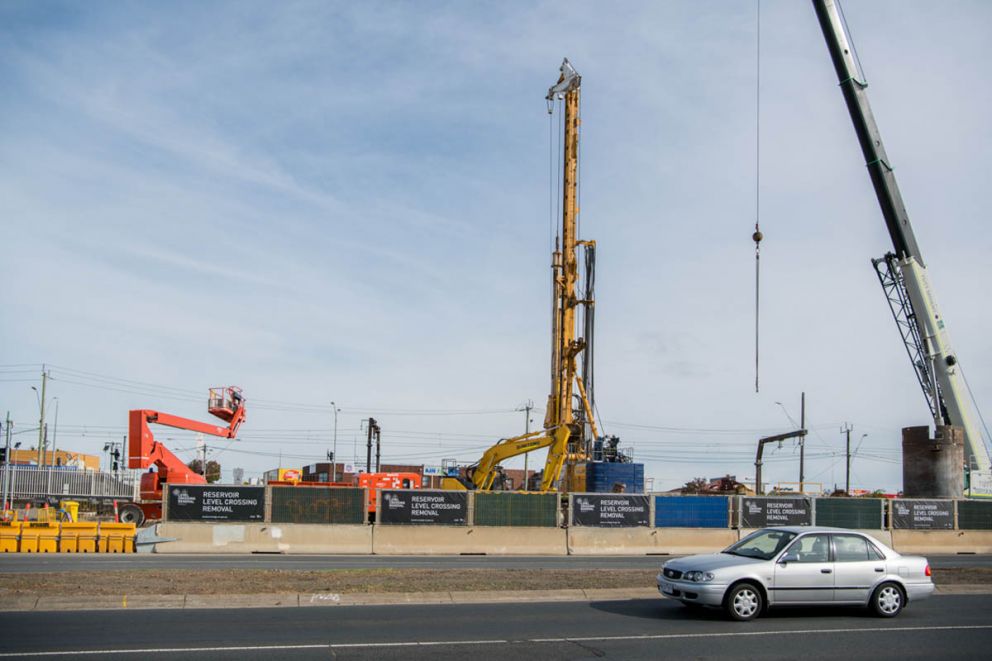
(569, 411)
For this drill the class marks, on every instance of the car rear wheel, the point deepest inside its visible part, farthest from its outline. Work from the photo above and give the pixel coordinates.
(744, 602)
(887, 600)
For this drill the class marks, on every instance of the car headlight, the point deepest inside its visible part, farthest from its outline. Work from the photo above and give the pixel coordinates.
(698, 576)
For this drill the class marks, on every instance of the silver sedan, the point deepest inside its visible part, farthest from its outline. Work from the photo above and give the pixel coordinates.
(798, 566)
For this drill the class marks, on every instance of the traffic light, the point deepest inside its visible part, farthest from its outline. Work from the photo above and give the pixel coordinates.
(3, 455)
(117, 459)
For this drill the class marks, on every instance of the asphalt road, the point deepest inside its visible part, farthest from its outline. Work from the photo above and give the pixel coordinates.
(640, 629)
(27, 563)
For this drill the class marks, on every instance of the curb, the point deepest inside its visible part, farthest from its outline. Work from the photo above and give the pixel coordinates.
(24, 603)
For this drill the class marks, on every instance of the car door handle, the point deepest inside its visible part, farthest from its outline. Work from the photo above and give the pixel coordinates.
(826, 571)
(879, 570)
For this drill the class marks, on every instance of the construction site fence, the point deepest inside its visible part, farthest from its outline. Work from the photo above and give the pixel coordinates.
(348, 505)
(21, 483)
(66, 537)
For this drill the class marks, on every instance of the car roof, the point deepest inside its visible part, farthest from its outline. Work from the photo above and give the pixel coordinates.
(804, 529)
(813, 529)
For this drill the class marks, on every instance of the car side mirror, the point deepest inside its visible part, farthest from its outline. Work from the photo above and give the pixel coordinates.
(791, 556)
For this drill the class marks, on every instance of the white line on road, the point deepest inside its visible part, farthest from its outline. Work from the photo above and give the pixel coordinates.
(436, 643)
(731, 634)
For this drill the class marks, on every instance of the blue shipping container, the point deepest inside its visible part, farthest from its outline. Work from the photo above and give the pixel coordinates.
(602, 476)
(691, 511)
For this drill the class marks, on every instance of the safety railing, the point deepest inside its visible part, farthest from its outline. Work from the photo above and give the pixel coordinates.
(24, 482)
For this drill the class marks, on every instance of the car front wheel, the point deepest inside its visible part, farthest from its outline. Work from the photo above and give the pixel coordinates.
(744, 602)
(887, 600)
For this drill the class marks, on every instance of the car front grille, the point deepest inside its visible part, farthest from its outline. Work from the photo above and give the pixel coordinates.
(673, 573)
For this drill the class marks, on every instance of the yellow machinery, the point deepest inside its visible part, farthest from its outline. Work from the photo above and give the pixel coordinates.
(569, 409)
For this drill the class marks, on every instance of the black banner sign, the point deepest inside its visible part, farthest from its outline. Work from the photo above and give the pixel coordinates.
(923, 514)
(764, 512)
(449, 508)
(610, 510)
(215, 503)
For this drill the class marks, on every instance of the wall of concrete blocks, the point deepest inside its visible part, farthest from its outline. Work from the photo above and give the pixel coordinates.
(323, 505)
(417, 522)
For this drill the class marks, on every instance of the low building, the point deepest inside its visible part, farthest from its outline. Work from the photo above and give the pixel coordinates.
(66, 458)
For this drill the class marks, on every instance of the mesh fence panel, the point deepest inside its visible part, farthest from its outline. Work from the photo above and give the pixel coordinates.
(317, 505)
(863, 513)
(974, 515)
(516, 509)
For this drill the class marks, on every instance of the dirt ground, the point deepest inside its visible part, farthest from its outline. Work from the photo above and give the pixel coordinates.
(350, 581)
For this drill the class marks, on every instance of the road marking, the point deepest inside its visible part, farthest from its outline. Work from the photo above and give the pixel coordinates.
(438, 643)
(731, 634)
(256, 648)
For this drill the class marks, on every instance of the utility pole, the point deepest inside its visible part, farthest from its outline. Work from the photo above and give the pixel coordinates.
(201, 452)
(526, 408)
(802, 445)
(334, 461)
(41, 417)
(7, 477)
(847, 455)
(378, 446)
(368, 446)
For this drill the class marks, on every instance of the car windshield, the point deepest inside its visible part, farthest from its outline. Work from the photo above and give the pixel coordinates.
(763, 544)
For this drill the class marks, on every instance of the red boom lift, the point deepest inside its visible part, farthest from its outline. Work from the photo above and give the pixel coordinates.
(144, 451)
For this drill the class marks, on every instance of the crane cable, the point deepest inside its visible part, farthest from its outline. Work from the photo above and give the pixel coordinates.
(757, 236)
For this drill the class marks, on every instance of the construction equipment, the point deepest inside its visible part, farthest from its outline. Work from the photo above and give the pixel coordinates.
(903, 273)
(144, 452)
(569, 425)
(373, 482)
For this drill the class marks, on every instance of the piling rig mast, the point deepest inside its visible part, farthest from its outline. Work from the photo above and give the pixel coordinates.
(570, 401)
(569, 424)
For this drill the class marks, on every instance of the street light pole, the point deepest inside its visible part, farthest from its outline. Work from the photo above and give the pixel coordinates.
(334, 462)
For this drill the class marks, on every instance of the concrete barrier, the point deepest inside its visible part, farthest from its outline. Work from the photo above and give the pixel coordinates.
(942, 541)
(455, 540)
(648, 541)
(190, 537)
(263, 538)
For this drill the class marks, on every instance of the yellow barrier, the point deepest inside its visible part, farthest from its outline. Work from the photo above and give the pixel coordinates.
(116, 538)
(10, 536)
(39, 537)
(78, 537)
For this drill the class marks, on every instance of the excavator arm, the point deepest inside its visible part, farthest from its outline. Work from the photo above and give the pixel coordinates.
(482, 474)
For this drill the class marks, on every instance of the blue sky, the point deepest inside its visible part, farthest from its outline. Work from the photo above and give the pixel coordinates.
(349, 201)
